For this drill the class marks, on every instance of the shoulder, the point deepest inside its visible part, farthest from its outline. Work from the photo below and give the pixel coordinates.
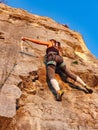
(49, 44)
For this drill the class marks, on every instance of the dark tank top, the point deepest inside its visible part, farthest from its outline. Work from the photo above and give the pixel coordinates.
(52, 49)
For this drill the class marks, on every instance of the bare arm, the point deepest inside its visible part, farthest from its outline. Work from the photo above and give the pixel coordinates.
(35, 41)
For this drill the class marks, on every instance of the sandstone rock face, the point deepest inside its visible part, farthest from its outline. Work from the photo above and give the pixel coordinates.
(37, 108)
(8, 96)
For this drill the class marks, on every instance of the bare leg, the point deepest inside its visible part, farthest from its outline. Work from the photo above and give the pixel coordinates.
(51, 76)
(53, 81)
(68, 73)
(76, 78)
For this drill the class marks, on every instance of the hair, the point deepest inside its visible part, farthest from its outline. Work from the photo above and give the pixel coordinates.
(53, 40)
(59, 44)
(56, 42)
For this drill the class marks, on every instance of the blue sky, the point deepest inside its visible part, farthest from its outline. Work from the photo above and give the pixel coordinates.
(79, 15)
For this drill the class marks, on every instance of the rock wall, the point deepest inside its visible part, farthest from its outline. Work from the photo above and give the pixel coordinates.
(37, 108)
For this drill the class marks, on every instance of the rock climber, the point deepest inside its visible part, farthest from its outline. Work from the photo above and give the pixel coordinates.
(54, 59)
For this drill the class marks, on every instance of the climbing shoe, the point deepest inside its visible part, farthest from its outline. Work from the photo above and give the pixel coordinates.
(89, 90)
(59, 95)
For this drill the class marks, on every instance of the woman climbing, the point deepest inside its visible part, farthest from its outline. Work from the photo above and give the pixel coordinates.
(54, 60)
